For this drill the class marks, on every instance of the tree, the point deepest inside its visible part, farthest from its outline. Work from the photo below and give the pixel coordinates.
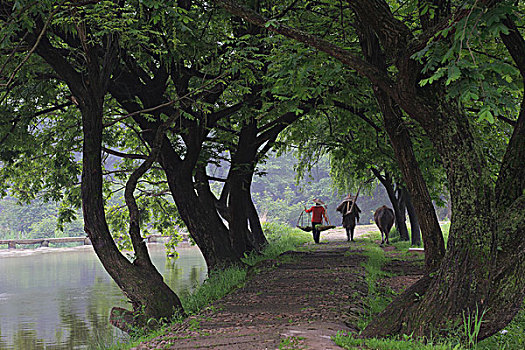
(87, 78)
(482, 268)
(122, 59)
(349, 128)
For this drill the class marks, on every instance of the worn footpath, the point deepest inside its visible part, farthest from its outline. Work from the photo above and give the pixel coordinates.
(297, 302)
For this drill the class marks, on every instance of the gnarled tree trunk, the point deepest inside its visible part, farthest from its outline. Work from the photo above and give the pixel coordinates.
(140, 281)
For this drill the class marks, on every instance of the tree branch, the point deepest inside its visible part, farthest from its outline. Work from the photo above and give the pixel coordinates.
(344, 56)
(123, 155)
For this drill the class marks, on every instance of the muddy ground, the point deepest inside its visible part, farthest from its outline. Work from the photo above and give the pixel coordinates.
(298, 302)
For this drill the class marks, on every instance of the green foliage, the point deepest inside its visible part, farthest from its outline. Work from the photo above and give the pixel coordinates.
(35, 220)
(281, 238)
(376, 301)
(511, 338)
(281, 197)
(471, 327)
(350, 342)
(217, 285)
(291, 343)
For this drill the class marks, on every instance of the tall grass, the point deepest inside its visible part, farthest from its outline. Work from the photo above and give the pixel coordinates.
(510, 338)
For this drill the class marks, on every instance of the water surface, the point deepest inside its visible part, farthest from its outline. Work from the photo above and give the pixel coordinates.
(60, 298)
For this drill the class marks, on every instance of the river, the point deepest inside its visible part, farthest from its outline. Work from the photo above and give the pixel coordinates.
(60, 298)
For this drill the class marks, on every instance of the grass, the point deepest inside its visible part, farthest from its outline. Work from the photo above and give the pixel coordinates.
(511, 338)
(395, 239)
(350, 342)
(291, 343)
(376, 299)
(281, 238)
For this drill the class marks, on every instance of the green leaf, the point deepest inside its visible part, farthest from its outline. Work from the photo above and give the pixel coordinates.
(486, 114)
(453, 74)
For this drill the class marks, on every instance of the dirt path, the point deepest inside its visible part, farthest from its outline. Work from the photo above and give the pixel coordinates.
(299, 303)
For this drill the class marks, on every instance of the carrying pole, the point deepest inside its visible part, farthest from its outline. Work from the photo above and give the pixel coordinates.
(355, 199)
(357, 194)
(300, 218)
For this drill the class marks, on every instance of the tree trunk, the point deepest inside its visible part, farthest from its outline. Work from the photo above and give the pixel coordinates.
(414, 222)
(244, 224)
(400, 216)
(140, 281)
(401, 202)
(402, 145)
(466, 280)
(259, 239)
(201, 218)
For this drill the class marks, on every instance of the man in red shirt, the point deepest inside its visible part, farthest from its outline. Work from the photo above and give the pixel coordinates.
(318, 213)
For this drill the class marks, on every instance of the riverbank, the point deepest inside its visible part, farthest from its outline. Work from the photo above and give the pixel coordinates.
(298, 301)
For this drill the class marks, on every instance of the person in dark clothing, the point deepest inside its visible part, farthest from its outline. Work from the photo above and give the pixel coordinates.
(350, 214)
(318, 214)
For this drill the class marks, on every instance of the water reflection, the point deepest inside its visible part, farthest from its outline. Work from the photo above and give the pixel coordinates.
(61, 299)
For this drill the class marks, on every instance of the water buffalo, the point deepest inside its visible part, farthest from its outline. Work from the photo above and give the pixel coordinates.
(384, 218)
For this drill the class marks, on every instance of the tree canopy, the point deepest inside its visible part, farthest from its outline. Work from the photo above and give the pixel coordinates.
(169, 87)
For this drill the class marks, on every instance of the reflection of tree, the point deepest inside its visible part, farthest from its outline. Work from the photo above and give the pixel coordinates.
(78, 314)
(195, 275)
(75, 327)
(172, 273)
(3, 344)
(27, 339)
(85, 321)
(185, 273)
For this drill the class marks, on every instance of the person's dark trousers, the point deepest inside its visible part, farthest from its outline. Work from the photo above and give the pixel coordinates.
(350, 233)
(316, 232)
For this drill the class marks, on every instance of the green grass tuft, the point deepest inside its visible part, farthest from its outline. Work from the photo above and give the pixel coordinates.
(407, 343)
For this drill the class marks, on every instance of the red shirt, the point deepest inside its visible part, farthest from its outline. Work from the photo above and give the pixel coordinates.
(318, 212)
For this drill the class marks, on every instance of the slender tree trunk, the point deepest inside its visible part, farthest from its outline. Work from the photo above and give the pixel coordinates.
(414, 222)
(401, 143)
(400, 216)
(401, 200)
(240, 203)
(259, 239)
